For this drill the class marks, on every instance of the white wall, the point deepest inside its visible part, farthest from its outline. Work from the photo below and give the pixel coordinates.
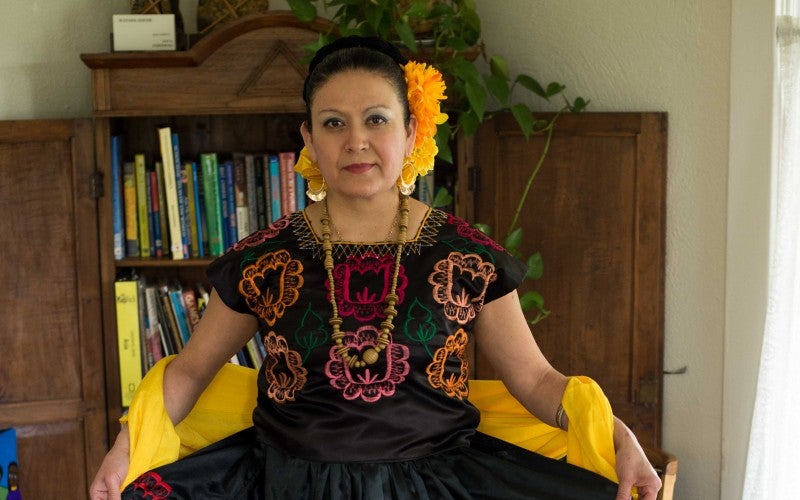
(625, 55)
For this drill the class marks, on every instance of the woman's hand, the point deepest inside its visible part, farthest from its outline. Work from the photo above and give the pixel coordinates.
(633, 468)
(107, 481)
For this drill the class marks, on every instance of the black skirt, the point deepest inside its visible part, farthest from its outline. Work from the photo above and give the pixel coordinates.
(241, 467)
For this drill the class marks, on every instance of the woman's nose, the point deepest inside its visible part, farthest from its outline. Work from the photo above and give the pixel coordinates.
(357, 140)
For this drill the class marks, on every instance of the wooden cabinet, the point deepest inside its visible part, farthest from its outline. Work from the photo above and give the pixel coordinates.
(596, 211)
(51, 377)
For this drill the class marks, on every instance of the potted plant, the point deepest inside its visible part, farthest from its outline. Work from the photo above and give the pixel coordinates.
(447, 34)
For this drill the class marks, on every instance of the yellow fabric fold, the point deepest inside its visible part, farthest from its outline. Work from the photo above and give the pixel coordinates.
(226, 407)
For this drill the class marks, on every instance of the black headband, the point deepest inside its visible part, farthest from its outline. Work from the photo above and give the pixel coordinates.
(349, 42)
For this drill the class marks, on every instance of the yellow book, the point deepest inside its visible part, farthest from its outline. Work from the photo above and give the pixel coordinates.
(128, 338)
(141, 205)
(171, 192)
(129, 201)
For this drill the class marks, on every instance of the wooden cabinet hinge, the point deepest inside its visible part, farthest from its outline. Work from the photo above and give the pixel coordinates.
(96, 184)
(474, 178)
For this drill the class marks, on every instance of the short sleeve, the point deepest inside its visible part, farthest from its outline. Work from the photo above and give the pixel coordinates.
(225, 274)
(509, 273)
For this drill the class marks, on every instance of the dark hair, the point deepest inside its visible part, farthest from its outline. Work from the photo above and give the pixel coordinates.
(357, 53)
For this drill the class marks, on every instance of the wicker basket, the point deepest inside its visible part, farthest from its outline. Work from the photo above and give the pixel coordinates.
(213, 13)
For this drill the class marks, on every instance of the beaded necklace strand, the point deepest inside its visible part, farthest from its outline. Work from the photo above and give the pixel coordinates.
(370, 355)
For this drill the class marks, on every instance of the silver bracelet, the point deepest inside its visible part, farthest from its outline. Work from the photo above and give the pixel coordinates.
(560, 417)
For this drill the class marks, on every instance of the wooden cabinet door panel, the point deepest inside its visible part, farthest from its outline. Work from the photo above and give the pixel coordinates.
(51, 381)
(596, 212)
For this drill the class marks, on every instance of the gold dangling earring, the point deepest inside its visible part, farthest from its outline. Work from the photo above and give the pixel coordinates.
(318, 194)
(408, 166)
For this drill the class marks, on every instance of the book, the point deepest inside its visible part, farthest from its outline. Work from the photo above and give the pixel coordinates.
(425, 189)
(180, 182)
(300, 188)
(169, 318)
(240, 195)
(154, 336)
(190, 305)
(191, 207)
(224, 206)
(252, 200)
(9, 465)
(213, 208)
(286, 160)
(179, 310)
(253, 352)
(274, 188)
(171, 194)
(143, 218)
(129, 199)
(233, 233)
(117, 205)
(155, 213)
(163, 218)
(202, 239)
(129, 346)
(262, 214)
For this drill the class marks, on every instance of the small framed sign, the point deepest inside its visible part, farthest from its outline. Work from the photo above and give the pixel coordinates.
(143, 32)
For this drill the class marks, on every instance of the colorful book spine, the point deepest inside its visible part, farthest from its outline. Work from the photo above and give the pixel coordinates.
(300, 187)
(233, 233)
(191, 208)
(260, 193)
(252, 200)
(425, 189)
(129, 199)
(213, 208)
(275, 188)
(163, 217)
(199, 219)
(240, 195)
(117, 204)
(179, 309)
(286, 159)
(155, 214)
(171, 193)
(128, 338)
(223, 205)
(143, 217)
(180, 181)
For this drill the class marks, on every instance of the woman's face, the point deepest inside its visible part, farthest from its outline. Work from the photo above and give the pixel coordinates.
(359, 137)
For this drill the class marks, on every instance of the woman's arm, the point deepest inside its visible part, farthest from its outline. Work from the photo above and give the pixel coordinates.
(504, 337)
(220, 333)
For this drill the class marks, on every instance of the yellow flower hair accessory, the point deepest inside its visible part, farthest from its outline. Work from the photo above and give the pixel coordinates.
(425, 91)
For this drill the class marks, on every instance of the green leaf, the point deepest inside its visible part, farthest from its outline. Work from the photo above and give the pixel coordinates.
(464, 70)
(499, 66)
(535, 266)
(531, 84)
(406, 35)
(513, 240)
(498, 87)
(554, 88)
(476, 95)
(304, 10)
(524, 117)
(443, 198)
(484, 228)
(417, 9)
(442, 139)
(529, 300)
(468, 122)
(579, 105)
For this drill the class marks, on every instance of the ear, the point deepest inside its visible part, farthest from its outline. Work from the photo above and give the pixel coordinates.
(412, 134)
(308, 141)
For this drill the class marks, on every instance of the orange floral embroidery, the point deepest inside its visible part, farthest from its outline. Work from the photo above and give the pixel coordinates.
(460, 283)
(283, 369)
(453, 383)
(269, 300)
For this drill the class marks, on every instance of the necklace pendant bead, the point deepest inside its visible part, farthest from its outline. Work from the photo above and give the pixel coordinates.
(370, 356)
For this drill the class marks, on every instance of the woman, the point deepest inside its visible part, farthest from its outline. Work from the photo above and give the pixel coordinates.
(366, 301)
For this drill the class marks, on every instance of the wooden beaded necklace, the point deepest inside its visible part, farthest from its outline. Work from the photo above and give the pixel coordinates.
(370, 355)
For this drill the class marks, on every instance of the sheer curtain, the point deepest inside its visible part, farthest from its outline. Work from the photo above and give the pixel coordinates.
(774, 452)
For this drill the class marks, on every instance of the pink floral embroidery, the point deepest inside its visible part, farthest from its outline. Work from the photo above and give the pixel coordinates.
(283, 370)
(153, 486)
(460, 283)
(362, 284)
(454, 384)
(263, 235)
(464, 230)
(373, 381)
(270, 301)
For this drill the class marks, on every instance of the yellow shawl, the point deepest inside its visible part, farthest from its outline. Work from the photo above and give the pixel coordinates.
(227, 404)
